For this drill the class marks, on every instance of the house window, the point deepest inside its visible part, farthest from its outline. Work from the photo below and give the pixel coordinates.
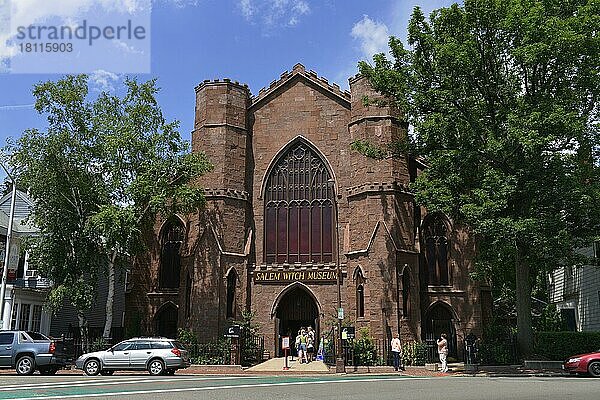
(360, 293)
(231, 283)
(435, 235)
(24, 317)
(299, 213)
(170, 260)
(36, 318)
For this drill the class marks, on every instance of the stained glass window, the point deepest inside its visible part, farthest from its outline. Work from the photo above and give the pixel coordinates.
(299, 208)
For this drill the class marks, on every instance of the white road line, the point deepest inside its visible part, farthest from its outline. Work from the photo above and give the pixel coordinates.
(126, 381)
(206, 388)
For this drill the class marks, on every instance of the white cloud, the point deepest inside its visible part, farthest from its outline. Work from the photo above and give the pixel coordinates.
(273, 13)
(103, 81)
(15, 13)
(125, 48)
(247, 9)
(372, 35)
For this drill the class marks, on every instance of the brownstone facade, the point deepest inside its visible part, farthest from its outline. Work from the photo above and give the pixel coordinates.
(289, 205)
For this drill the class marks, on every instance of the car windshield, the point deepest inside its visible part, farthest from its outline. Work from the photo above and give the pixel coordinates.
(179, 345)
(37, 336)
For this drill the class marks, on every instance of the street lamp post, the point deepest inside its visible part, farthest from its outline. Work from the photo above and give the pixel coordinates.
(340, 366)
(7, 249)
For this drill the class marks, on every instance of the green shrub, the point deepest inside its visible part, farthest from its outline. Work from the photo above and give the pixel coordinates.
(496, 353)
(414, 353)
(99, 344)
(186, 336)
(212, 353)
(365, 352)
(561, 345)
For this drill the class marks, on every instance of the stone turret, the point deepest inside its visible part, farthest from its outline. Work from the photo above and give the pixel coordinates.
(378, 125)
(220, 131)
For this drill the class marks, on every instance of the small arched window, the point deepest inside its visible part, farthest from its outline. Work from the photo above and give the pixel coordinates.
(360, 293)
(170, 257)
(231, 285)
(435, 236)
(299, 215)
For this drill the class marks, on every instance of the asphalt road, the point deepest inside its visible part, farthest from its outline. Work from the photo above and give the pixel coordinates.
(143, 387)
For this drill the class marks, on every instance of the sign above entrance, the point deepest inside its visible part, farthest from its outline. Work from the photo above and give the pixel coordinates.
(325, 277)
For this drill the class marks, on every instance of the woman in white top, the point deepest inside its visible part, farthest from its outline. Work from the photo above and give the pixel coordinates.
(396, 350)
(442, 343)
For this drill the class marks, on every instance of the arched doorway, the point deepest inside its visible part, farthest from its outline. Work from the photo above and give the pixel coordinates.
(165, 321)
(439, 319)
(296, 309)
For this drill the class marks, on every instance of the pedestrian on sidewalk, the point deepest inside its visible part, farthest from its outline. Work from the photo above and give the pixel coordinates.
(396, 351)
(442, 343)
(310, 344)
(302, 346)
(299, 346)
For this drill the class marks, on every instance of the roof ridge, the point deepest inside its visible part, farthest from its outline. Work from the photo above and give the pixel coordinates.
(300, 70)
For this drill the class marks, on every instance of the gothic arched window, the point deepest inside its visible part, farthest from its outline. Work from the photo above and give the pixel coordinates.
(360, 293)
(435, 236)
(170, 257)
(231, 284)
(299, 213)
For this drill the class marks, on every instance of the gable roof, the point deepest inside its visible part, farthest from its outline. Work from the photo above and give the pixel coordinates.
(299, 73)
(23, 205)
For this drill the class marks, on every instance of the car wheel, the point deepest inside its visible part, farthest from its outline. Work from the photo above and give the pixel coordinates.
(156, 367)
(594, 369)
(170, 371)
(25, 365)
(91, 367)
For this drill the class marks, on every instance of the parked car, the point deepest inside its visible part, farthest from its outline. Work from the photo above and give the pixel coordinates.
(30, 351)
(156, 355)
(584, 364)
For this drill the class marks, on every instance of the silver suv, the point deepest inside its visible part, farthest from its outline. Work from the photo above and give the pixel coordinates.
(156, 355)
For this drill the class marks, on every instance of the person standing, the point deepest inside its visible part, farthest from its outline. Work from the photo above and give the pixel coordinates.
(396, 351)
(310, 344)
(302, 346)
(442, 343)
(299, 346)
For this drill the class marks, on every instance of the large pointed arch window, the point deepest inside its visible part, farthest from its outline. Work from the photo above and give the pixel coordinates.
(435, 236)
(299, 208)
(170, 258)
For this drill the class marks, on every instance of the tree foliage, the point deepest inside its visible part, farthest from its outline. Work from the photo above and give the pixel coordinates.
(99, 176)
(503, 98)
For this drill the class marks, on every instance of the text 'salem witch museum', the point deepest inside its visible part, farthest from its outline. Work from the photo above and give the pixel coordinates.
(286, 201)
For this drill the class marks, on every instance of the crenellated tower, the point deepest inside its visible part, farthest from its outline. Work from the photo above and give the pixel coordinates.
(381, 232)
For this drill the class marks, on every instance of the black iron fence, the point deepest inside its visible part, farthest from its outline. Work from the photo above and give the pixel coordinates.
(248, 350)
(357, 352)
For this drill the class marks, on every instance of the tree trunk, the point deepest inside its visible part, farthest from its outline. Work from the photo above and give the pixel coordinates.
(110, 296)
(523, 299)
(83, 332)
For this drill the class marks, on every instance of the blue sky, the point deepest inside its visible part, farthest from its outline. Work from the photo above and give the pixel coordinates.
(251, 41)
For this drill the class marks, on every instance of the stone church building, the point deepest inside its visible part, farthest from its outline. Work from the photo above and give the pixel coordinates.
(292, 211)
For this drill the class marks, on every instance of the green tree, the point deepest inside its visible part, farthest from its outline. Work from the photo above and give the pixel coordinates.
(503, 99)
(99, 177)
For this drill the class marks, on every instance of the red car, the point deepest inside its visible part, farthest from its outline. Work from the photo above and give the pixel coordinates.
(584, 364)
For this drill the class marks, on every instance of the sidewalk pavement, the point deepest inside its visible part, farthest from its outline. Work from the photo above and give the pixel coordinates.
(274, 366)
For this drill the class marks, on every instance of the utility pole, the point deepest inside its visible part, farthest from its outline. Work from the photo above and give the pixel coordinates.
(7, 248)
(340, 365)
